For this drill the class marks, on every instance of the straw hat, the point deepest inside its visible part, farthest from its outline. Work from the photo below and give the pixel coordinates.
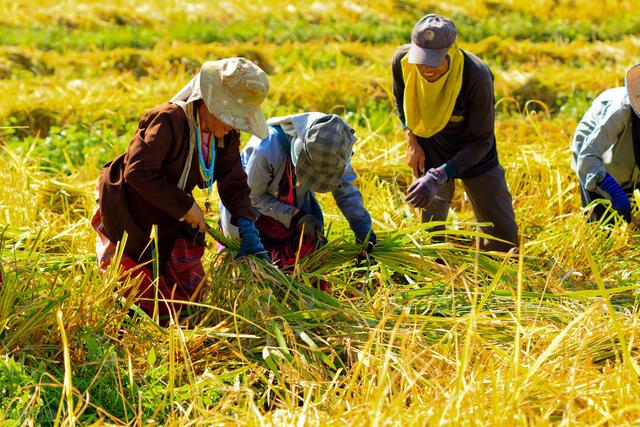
(233, 90)
(632, 83)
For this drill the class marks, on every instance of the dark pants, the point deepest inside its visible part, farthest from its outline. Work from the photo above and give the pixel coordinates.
(599, 209)
(491, 202)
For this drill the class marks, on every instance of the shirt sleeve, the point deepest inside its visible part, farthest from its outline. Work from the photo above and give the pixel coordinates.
(398, 83)
(261, 173)
(349, 200)
(610, 123)
(481, 118)
(145, 156)
(232, 180)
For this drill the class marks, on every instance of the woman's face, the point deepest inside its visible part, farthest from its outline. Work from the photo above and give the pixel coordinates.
(211, 123)
(220, 129)
(431, 74)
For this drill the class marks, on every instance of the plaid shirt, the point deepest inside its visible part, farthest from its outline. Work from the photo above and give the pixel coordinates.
(264, 162)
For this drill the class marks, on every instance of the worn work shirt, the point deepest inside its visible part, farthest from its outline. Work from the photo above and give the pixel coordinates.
(265, 161)
(140, 188)
(467, 143)
(603, 142)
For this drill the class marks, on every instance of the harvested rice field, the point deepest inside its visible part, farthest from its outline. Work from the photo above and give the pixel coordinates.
(432, 332)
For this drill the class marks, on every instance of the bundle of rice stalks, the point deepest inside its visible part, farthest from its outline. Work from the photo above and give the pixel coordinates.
(70, 200)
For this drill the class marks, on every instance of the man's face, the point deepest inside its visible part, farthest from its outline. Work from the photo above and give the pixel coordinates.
(431, 74)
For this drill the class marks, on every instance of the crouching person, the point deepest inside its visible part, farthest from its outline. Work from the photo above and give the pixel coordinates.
(191, 141)
(606, 148)
(303, 154)
(445, 102)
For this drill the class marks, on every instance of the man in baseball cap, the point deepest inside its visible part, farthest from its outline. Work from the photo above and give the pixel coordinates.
(303, 154)
(606, 149)
(445, 101)
(431, 39)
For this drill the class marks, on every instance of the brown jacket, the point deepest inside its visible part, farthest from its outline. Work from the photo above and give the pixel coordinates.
(139, 188)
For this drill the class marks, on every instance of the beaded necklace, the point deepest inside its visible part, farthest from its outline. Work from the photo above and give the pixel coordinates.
(206, 172)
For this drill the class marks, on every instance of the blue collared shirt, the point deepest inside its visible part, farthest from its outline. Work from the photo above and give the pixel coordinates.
(264, 162)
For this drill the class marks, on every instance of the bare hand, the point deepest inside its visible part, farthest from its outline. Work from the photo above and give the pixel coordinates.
(195, 218)
(415, 154)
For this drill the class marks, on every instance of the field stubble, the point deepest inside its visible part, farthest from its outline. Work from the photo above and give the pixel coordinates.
(432, 333)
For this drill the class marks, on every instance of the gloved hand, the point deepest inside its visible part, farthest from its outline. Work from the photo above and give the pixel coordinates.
(311, 227)
(424, 189)
(365, 253)
(360, 238)
(619, 199)
(250, 243)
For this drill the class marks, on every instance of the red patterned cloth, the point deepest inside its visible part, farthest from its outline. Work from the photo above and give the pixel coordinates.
(286, 244)
(283, 243)
(182, 278)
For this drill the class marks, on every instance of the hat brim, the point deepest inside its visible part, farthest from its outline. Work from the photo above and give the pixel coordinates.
(310, 179)
(240, 116)
(632, 83)
(429, 57)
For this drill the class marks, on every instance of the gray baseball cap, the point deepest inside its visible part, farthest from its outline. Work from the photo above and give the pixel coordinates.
(430, 40)
(323, 153)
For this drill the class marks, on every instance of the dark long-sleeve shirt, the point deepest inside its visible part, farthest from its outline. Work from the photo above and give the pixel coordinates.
(467, 143)
(140, 188)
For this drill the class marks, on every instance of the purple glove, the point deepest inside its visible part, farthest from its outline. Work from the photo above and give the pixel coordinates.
(424, 189)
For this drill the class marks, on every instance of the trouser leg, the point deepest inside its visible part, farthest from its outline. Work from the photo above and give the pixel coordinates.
(438, 209)
(598, 209)
(184, 268)
(491, 202)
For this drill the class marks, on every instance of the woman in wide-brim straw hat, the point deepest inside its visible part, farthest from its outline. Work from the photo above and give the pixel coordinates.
(193, 140)
(606, 148)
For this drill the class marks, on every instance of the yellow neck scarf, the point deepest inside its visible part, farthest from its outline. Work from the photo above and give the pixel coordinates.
(428, 106)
